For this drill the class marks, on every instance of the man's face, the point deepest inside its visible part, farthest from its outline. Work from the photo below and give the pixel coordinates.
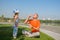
(35, 16)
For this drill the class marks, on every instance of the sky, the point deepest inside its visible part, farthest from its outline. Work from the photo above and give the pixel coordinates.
(48, 9)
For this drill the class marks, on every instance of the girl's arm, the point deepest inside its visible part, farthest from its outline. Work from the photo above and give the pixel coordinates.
(15, 21)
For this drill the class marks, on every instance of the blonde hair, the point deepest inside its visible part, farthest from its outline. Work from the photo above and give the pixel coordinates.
(37, 14)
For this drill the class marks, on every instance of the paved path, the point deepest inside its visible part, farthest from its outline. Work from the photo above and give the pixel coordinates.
(56, 36)
(55, 29)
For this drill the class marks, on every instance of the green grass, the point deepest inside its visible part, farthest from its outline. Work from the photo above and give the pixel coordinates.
(6, 31)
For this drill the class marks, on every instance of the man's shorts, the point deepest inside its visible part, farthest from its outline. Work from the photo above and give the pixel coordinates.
(29, 34)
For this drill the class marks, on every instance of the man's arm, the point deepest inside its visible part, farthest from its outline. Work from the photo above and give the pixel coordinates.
(26, 21)
(36, 28)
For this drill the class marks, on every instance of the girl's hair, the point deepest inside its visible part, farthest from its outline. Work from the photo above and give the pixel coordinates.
(16, 14)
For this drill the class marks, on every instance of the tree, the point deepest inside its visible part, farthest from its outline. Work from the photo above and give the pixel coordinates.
(2, 18)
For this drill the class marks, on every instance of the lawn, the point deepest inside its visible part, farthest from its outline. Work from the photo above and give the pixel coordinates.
(6, 31)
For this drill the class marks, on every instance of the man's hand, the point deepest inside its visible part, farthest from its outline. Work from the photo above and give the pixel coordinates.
(26, 21)
(36, 28)
(29, 16)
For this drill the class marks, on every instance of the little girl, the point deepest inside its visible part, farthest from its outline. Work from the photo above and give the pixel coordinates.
(15, 27)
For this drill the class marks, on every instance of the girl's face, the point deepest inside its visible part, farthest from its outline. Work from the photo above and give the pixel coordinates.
(16, 16)
(35, 16)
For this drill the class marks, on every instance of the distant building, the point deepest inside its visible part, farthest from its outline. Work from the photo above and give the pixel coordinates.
(49, 18)
(43, 19)
(9, 21)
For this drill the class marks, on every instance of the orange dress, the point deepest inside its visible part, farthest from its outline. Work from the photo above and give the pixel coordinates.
(34, 24)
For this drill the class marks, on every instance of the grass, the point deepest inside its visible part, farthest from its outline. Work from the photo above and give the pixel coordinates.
(6, 31)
